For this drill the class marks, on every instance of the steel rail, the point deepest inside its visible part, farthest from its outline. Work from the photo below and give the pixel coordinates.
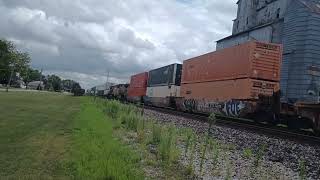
(272, 131)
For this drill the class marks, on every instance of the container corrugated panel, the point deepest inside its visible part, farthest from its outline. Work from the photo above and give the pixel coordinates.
(249, 60)
(138, 85)
(167, 75)
(164, 91)
(238, 89)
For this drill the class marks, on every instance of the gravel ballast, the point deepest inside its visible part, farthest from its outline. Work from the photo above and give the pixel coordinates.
(282, 159)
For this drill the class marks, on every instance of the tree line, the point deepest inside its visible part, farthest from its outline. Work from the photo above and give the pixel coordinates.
(15, 69)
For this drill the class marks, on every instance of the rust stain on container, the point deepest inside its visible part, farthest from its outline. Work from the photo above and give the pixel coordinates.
(138, 85)
(249, 60)
(237, 89)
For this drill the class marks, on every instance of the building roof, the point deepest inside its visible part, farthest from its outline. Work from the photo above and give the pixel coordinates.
(35, 83)
(251, 29)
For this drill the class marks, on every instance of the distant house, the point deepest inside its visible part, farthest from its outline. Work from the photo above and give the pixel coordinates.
(36, 85)
(20, 84)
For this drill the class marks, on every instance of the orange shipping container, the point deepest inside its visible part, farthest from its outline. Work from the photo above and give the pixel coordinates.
(249, 60)
(238, 89)
(138, 85)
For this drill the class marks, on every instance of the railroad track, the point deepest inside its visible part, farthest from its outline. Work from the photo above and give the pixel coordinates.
(274, 131)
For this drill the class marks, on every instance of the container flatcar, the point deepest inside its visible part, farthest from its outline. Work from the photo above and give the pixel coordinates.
(240, 81)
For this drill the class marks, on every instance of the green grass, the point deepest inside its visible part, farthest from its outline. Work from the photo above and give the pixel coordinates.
(97, 155)
(156, 143)
(52, 136)
(35, 130)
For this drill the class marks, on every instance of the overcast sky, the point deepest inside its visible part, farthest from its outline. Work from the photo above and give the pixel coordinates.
(84, 39)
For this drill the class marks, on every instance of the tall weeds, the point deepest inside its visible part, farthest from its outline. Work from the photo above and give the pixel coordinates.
(112, 108)
(211, 120)
(189, 136)
(167, 147)
(193, 144)
(215, 152)
(259, 155)
(302, 170)
(156, 133)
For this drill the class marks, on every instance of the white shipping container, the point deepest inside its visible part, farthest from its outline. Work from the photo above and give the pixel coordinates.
(163, 91)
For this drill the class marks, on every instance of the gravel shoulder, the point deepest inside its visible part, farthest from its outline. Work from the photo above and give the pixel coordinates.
(281, 159)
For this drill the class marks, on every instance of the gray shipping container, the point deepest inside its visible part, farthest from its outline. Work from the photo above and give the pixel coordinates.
(164, 76)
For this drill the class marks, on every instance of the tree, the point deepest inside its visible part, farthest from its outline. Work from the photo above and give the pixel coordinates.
(71, 86)
(77, 90)
(29, 75)
(67, 85)
(55, 82)
(11, 61)
(6, 49)
(75, 87)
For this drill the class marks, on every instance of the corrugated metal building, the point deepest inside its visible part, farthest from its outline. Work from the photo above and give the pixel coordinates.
(296, 25)
(301, 61)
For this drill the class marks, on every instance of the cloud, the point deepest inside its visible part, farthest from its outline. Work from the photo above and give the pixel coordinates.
(83, 39)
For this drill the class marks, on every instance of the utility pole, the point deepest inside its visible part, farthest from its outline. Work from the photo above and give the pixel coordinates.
(40, 78)
(108, 77)
(27, 80)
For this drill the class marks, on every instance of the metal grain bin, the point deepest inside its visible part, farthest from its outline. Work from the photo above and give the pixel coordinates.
(249, 60)
(300, 75)
(167, 75)
(138, 85)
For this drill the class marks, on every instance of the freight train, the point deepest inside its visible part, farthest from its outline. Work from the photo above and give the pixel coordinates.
(242, 81)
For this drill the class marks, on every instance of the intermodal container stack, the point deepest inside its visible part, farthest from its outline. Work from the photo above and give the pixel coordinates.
(241, 72)
(164, 85)
(138, 87)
